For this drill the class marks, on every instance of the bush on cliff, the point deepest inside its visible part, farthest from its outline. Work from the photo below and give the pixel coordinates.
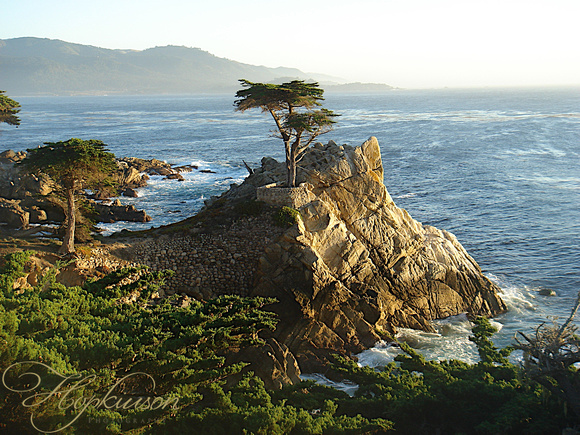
(292, 106)
(286, 217)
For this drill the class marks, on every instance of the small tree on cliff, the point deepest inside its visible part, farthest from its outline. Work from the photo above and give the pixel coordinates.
(8, 110)
(292, 105)
(74, 164)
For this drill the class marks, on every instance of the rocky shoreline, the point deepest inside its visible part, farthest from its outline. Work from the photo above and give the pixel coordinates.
(350, 270)
(27, 199)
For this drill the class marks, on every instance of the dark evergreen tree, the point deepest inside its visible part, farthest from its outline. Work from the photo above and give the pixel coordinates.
(8, 110)
(74, 164)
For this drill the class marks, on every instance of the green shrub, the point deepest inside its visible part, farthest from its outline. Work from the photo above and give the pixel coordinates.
(89, 331)
(286, 217)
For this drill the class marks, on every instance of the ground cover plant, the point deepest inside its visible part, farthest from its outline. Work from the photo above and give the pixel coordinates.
(107, 333)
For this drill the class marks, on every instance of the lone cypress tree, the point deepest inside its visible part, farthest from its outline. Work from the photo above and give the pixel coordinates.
(292, 105)
(74, 164)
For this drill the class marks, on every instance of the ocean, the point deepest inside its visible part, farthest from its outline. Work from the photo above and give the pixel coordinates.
(499, 168)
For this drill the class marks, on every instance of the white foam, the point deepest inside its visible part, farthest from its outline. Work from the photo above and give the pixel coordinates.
(450, 341)
(380, 355)
(406, 195)
(518, 298)
(169, 201)
(347, 386)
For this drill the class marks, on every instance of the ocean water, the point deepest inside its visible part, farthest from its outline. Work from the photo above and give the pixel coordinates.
(499, 168)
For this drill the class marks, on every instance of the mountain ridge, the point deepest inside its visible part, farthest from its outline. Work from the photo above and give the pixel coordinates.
(42, 66)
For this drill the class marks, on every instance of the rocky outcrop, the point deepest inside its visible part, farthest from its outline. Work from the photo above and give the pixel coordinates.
(356, 265)
(156, 167)
(119, 212)
(17, 185)
(12, 214)
(152, 167)
(272, 362)
(26, 198)
(352, 269)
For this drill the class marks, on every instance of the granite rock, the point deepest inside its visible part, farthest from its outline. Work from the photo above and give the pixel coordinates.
(356, 265)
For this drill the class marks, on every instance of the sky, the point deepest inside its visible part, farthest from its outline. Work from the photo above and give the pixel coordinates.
(403, 43)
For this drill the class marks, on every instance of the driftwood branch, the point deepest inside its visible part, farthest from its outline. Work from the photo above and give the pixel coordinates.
(549, 356)
(250, 170)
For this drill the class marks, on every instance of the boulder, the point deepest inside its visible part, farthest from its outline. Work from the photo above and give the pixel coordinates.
(161, 171)
(116, 212)
(36, 185)
(130, 193)
(175, 176)
(130, 177)
(12, 214)
(15, 184)
(37, 215)
(547, 292)
(272, 362)
(39, 207)
(142, 165)
(8, 155)
(184, 168)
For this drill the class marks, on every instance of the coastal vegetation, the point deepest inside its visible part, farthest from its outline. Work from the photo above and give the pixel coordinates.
(292, 106)
(286, 216)
(9, 110)
(74, 164)
(110, 338)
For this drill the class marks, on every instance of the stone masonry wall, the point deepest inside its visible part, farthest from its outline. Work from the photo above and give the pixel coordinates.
(209, 265)
(294, 197)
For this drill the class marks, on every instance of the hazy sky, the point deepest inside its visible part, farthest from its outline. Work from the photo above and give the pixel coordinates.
(405, 43)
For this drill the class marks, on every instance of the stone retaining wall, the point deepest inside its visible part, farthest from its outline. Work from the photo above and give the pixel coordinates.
(209, 265)
(294, 197)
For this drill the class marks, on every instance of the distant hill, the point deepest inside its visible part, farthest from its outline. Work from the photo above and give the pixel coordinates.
(359, 87)
(37, 66)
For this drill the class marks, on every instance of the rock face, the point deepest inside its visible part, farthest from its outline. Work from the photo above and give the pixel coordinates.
(356, 264)
(12, 215)
(272, 362)
(117, 212)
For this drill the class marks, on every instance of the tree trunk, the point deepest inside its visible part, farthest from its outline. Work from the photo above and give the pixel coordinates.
(68, 243)
(291, 167)
(291, 154)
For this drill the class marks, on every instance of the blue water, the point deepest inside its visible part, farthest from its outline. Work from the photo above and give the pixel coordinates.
(499, 168)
